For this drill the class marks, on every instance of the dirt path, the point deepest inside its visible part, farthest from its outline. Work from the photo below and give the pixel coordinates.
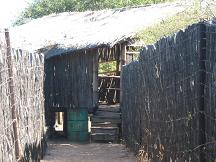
(63, 151)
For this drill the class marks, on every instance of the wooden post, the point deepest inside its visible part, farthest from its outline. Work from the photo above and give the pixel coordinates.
(122, 63)
(123, 58)
(95, 78)
(202, 80)
(118, 60)
(65, 122)
(12, 98)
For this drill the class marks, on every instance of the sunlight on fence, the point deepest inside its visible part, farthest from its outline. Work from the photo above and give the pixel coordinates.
(168, 105)
(21, 103)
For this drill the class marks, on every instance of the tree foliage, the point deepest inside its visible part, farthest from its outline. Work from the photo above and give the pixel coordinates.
(41, 8)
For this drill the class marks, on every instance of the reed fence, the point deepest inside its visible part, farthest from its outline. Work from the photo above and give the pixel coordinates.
(21, 103)
(169, 98)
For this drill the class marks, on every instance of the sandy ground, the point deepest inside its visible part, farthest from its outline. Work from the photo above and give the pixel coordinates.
(64, 151)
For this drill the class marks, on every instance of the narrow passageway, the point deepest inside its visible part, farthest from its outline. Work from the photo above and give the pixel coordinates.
(64, 151)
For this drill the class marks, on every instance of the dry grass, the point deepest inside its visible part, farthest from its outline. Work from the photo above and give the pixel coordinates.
(180, 21)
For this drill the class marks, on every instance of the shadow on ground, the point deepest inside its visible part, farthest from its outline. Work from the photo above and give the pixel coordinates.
(65, 151)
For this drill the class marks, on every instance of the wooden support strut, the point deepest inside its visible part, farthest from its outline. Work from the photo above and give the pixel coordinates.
(132, 53)
(122, 63)
(16, 141)
(95, 79)
(123, 56)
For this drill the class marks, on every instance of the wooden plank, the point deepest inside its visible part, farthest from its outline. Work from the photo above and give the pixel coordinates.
(103, 62)
(117, 51)
(109, 108)
(132, 53)
(113, 76)
(108, 114)
(122, 63)
(107, 130)
(115, 120)
(123, 55)
(95, 79)
(104, 137)
(107, 72)
(104, 124)
(117, 89)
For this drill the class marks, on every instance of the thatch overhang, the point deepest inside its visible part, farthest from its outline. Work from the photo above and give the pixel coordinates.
(71, 31)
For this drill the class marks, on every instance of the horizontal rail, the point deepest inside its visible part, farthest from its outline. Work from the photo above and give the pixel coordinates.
(109, 76)
(118, 89)
(131, 53)
(107, 72)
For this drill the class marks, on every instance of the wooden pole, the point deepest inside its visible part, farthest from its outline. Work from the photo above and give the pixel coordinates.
(122, 63)
(95, 78)
(12, 98)
(123, 58)
(118, 60)
(65, 123)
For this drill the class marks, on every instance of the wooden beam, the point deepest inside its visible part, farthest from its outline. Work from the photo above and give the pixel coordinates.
(107, 72)
(103, 62)
(95, 78)
(123, 55)
(65, 123)
(122, 62)
(117, 59)
(132, 53)
(117, 89)
(100, 76)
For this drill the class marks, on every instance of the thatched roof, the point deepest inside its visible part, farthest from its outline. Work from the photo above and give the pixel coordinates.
(66, 32)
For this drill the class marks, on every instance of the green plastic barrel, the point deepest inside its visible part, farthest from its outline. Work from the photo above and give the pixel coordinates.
(77, 125)
(77, 114)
